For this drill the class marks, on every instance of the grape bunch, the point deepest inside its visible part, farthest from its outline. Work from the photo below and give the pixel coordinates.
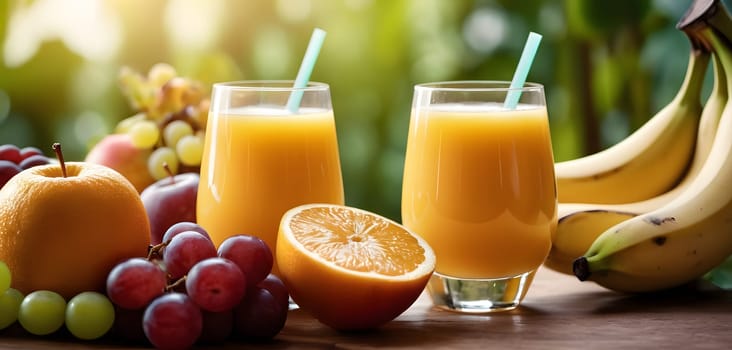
(170, 118)
(14, 160)
(88, 315)
(186, 291)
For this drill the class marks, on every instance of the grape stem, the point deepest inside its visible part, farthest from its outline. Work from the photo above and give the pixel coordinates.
(156, 250)
(175, 284)
(57, 149)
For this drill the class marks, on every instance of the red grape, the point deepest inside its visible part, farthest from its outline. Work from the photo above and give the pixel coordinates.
(185, 250)
(216, 284)
(27, 152)
(34, 160)
(217, 326)
(10, 153)
(251, 254)
(259, 316)
(183, 226)
(8, 169)
(133, 283)
(277, 288)
(172, 321)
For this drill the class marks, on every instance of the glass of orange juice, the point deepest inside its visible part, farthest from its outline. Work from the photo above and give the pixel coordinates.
(479, 187)
(262, 158)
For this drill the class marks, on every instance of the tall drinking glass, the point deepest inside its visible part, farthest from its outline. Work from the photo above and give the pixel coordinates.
(479, 186)
(261, 158)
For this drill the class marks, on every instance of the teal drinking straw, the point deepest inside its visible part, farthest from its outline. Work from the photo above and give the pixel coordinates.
(522, 70)
(306, 68)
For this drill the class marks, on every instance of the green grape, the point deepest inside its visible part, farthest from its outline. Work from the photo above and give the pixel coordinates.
(42, 312)
(89, 315)
(4, 277)
(175, 130)
(190, 150)
(156, 160)
(9, 306)
(125, 124)
(144, 134)
(160, 74)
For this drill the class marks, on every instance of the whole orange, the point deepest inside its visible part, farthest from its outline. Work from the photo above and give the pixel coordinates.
(65, 234)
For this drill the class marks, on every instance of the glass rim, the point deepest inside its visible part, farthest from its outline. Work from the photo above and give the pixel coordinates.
(270, 85)
(477, 86)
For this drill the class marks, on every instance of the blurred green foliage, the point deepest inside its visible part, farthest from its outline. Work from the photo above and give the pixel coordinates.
(607, 65)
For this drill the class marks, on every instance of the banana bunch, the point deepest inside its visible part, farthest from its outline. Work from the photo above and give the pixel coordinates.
(682, 239)
(673, 233)
(579, 224)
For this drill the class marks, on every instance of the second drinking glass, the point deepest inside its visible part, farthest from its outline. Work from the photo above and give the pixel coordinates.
(479, 186)
(262, 158)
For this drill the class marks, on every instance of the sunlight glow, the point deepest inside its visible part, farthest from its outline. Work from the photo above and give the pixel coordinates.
(194, 24)
(294, 10)
(485, 29)
(86, 27)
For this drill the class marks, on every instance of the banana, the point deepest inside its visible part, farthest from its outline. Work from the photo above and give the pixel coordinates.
(576, 229)
(648, 162)
(579, 224)
(683, 239)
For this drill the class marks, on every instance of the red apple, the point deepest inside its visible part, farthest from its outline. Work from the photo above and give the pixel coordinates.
(168, 201)
(117, 152)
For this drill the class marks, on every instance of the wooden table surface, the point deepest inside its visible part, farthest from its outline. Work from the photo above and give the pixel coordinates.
(559, 312)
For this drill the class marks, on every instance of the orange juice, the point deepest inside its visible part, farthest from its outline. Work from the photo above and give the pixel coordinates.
(259, 162)
(479, 187)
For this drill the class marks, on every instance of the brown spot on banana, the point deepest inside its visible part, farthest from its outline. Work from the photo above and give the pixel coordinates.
(659, 241)
(656, 221)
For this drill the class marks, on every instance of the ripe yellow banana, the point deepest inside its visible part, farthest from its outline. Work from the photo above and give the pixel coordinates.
(580, 224)
(576, 229)
(683, 239)
(648, 162)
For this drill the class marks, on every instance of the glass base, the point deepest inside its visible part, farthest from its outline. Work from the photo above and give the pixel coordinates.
(478, 295)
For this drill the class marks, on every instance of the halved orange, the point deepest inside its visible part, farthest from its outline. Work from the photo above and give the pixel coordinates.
(349, 268)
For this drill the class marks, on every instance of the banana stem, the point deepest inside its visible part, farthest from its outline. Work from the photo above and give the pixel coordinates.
(703, 14)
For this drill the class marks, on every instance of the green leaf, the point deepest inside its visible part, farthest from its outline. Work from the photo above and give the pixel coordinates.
(721, 276)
